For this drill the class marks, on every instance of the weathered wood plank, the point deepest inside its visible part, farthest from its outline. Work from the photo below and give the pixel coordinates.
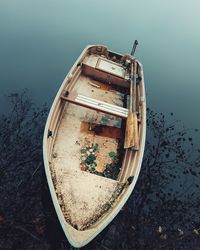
(97, 105)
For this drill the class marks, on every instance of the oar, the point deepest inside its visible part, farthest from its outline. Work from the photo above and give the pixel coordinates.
(135, 119)
(131, 133)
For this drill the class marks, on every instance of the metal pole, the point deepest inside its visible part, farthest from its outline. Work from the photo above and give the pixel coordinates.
(134, 47)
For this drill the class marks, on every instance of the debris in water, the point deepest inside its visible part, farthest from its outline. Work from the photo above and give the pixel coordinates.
(112, 154)
(88, 158)
(112, 169)
(96, 147)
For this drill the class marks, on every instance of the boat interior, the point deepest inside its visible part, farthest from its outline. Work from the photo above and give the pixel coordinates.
(88, 162)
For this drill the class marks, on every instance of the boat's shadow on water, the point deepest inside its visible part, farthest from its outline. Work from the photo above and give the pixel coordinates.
(162, 212)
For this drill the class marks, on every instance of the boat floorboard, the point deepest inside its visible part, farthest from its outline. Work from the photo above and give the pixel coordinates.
(84, 196)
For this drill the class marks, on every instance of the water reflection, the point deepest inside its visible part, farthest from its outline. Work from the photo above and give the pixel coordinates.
(162, 212)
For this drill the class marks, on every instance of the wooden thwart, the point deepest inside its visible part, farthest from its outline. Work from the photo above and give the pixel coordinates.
(96, 105)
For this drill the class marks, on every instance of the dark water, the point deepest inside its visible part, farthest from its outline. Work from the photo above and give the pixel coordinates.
(39, 42)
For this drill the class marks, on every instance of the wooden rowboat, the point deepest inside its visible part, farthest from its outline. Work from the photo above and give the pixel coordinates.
(94, 141)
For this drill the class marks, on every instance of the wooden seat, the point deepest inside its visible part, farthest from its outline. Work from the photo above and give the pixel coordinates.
(96, 104)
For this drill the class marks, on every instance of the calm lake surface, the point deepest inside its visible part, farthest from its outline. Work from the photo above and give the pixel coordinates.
(40, 41)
